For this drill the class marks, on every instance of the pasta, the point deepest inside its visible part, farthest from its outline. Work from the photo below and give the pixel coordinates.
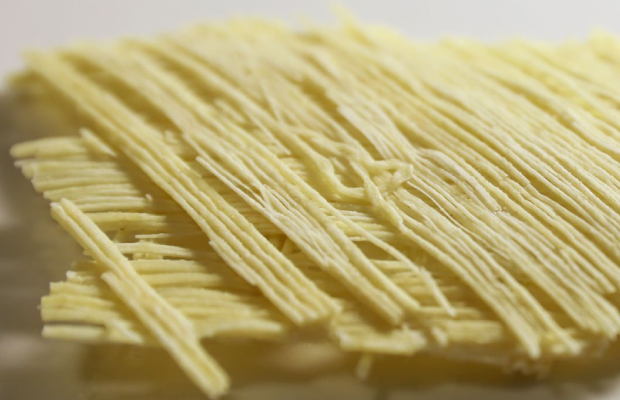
(244, 180)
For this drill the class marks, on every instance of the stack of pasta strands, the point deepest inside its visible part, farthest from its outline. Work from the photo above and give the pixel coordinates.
(247, 180)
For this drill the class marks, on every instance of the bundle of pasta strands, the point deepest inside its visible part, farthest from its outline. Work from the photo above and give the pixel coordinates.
(246, 180)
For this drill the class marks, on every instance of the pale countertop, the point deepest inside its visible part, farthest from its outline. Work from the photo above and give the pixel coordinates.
(33, 250)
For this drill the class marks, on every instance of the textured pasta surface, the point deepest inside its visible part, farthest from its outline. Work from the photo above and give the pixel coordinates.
(247, 180)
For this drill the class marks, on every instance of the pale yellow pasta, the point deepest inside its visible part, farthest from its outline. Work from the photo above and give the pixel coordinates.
(246, 180)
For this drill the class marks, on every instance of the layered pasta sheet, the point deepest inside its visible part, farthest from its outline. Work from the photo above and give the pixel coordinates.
(247, 180)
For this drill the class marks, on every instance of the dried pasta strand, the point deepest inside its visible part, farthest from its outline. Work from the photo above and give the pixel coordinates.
(173, 331)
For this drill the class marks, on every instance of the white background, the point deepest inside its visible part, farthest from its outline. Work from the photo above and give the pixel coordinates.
(42, 23)
(31, 246)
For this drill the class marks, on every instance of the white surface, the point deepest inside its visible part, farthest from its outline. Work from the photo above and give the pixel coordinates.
(33, 250)
(42, 23)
